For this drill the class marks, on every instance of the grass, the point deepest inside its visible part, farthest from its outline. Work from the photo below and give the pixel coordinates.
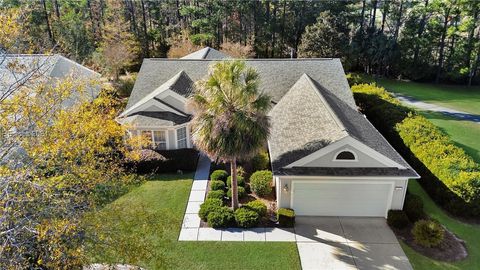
(468, 232)
(463, 133)
(451, 96)
(142, 227)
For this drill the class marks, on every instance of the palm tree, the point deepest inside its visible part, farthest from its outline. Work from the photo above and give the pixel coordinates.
(230, 119)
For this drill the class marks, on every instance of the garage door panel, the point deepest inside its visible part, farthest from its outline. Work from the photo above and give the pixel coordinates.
(341, 198)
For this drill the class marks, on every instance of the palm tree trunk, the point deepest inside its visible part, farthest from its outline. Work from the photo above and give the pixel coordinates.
(233, 169)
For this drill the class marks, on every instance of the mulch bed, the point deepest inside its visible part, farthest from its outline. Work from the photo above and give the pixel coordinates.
(452, 248)
(269, 201)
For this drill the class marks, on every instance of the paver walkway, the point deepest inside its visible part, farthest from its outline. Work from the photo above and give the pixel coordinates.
(461, 115)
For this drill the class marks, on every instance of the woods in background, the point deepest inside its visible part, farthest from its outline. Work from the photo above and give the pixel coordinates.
(424, 40)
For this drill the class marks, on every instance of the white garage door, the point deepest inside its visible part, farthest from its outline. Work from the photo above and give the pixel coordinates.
(341, 198)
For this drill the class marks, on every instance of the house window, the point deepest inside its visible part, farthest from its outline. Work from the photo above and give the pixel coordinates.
(159, 139)
(182, 137)
(346, 155)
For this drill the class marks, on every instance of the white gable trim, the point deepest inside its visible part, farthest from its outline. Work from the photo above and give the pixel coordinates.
(159, 105)
(348, 140)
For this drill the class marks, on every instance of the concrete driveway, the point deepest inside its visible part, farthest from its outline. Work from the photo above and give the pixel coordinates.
(348, 243)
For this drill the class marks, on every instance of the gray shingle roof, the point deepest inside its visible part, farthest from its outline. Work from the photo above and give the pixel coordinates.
(301, 123)
(206, 53)
(310, 117)
(154, 119)
(45, 67)
(277, 76)
(180, 83)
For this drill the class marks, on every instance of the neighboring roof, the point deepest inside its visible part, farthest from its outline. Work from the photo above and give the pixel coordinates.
(154, 119)
(206, 53)
(277, 76)
(41, 66)
(180, 83)
(310, 117)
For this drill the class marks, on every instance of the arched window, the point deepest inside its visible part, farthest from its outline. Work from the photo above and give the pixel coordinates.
(346, 155)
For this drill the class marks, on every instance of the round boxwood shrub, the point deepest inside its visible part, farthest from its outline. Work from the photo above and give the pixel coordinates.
(246, 218)
(217, 185)
(208, 206)
(219, 175)
(240, 181)
(216, 194)
(414, 207)
(257, 206)
(397, 219)
(221, 217)
(241, 192)
(261, 182)
(428, 233)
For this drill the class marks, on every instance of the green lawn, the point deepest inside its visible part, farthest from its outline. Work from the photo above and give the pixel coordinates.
(456, 97)
(464, 133)
(468, 232)
(142, 227)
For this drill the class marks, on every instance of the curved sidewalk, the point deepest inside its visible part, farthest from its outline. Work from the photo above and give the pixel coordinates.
(460, 115)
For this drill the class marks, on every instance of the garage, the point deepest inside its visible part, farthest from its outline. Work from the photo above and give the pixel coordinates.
(341, 198)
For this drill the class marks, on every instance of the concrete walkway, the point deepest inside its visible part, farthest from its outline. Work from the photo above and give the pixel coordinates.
(461, 115)
(191, 220)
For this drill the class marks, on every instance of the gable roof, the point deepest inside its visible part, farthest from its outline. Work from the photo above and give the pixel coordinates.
(206, 53)
(180, 84)
(277, 76)
(41, 66)
(310, 117)
(302, 123)
(154, 119)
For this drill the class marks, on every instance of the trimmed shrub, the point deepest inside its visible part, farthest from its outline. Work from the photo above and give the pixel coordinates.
(428, 233)
(240, 181)
(219, 175)
(221, 217)
(216, 194)
(163, 161)
(261, 182)
(261, 161)
(397, 219)
(413, 207)
(241, 192)
(217, 185)
(286, 217)
(208, 206)
(449, 175)
(246, 218)
(257, 206)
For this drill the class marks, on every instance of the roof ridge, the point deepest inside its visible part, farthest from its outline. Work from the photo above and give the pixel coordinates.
(163, 87)
(325, 102)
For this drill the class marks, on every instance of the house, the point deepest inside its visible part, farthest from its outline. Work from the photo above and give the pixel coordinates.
(326, 157)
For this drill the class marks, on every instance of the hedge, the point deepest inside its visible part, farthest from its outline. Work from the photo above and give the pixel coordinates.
(261, 182)
(449, 175)
(170, 162)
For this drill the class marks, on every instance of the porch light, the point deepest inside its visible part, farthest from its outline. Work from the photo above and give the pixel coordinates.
(285, 187)
(398, 188)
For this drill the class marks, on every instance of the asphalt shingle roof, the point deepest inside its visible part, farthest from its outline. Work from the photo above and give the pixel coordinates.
(180, 83)
(277, 76)
(206, 53)
(154, 119)
(310, 117)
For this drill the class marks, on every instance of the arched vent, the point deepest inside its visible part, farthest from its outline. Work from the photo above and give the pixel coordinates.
(345, 155)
